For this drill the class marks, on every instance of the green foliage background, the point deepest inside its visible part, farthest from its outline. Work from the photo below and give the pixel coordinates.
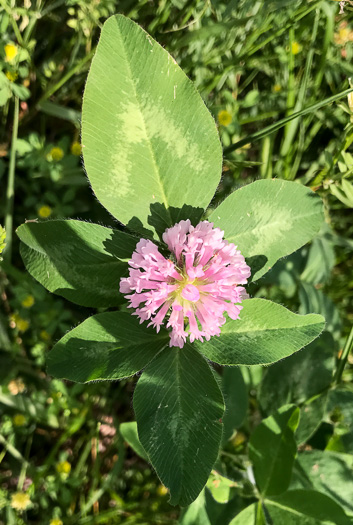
(260, 61)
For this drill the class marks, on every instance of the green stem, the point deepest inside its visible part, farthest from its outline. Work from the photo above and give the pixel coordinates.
(342, 362)
(10, 192)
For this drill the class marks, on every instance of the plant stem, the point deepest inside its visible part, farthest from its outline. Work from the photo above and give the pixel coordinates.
(10, 192)
(345, 353)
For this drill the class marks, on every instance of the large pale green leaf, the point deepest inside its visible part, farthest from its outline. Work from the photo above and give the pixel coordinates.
(150, 145)
(81, 261)
(272, 450)
(266, 333)
(178, 407)
(269, 219)
(327, 472)
(111, 345)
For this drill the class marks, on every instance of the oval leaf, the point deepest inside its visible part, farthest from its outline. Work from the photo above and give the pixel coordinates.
(178, 407)
(111, 345)
(266, 333)
(150, 144)
(272, 450)
(80, 261)
(269, 219)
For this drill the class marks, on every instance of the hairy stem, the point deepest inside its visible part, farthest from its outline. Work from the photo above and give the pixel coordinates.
(10, 192)
(345, 353)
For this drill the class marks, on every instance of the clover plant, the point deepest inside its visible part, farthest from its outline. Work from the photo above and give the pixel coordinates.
(153, 157)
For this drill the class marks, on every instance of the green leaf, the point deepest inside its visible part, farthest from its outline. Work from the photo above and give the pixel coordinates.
(178, 407)
(272, 450)
(196, 513)
(129, 433)
(300, 377)
(312, 414)
(327, 472)
(299, 507)
(252, 515)
(221, 488)
(111, 345)
(236, 399)
(313, 300)
(80, 261)
(266, 333)
(150, 145)
(269, 219)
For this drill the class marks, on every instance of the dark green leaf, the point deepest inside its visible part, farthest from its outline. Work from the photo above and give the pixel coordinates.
(178, 407)
(81, 261)
(272, 450)
(111, 345)
(236, 400)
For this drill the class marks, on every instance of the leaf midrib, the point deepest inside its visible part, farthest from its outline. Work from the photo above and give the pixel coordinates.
(158, 179)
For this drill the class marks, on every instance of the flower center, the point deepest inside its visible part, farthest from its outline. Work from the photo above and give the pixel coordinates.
(190, 293)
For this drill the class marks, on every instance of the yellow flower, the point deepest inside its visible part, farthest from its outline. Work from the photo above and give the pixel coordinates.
(44, 335)
(17, 321)
(296, 48)
(10, 52)
(16, 386)
(28, 301)
(20, 501)
(276, 88)
(162, 490)
(63, 467)
(224, 117)
(19, 420)
(44, 211)
(344, 35)
(56, 154)
(76, 148)
(11, 75)
(55, 521)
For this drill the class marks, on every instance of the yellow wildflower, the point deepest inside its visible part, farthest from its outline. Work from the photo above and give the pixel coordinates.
(296, 48)
(44, 335)
(10, 52)
(56, 154)
(20, 501)
(44, 211)
(162, 490)
(76, 148)
(55, 521)
(19, 420)
(16, 386)
(276, 88)
(17, 321)
(63, 467)
(11, 75)
(224, 117)
(28, 301)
